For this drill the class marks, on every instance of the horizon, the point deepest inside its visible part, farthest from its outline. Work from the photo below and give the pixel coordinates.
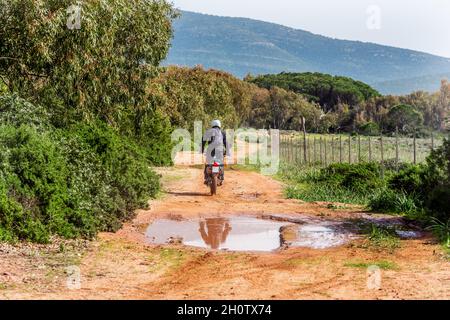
(377, 22)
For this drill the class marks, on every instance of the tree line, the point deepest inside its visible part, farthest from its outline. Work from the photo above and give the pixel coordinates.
(86, 113)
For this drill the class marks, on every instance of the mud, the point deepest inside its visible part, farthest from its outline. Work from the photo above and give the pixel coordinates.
(240, 233)
(124, 265)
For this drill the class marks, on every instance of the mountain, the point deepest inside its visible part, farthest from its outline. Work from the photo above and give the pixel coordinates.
(429, 83)
(241, 46)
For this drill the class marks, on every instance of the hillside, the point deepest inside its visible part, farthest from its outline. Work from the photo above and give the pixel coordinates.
(242, 46)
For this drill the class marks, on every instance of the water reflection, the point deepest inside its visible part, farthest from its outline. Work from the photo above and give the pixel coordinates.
(216, 231)
(240, 233)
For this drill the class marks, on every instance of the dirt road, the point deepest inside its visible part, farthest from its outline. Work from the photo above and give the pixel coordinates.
(123, 266)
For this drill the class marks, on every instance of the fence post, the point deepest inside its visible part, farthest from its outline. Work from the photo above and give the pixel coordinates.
(304, 139)
(382, 156)
(396, 148)
(350, 148)
(315, 150)
(340, 148)
(415, 147)
(320, 151)
(370, 150)
(309, 150)
(325, 149)
(332, 149)
(432, 141)
(359, 148)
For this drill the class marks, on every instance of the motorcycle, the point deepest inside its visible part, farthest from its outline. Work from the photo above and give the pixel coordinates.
(214, 175)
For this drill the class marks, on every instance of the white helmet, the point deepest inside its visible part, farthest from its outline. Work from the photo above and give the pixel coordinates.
(216, 123)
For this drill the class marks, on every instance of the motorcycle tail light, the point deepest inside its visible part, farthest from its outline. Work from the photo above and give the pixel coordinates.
(215, 164)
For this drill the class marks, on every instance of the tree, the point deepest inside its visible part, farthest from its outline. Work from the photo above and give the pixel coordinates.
(404, 117)
(100, 70)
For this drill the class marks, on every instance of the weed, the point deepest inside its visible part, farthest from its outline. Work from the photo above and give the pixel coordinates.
(385, 265)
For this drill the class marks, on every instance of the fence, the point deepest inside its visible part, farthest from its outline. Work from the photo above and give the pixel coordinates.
(302, 148)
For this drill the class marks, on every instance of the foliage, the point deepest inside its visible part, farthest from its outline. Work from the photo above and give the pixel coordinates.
(383, 264)
(392, 201)
(187, 95)
(100, 70)
(382, 237)
(16, 111)
(70, 183)
(325, 89)
(360, 178)
(408, 179)
(405, 118)
(369, 128)
(333, 183)
(435, 188)
(441, 230)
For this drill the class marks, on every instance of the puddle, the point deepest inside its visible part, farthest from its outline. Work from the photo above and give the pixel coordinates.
(239, 233)
(409, 234)
(319, 237)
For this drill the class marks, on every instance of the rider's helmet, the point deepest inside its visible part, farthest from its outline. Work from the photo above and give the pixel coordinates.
(216, 123)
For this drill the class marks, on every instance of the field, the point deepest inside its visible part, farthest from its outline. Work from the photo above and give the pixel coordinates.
(325, 149)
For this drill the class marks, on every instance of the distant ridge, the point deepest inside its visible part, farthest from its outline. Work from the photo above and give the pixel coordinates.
(241, 46)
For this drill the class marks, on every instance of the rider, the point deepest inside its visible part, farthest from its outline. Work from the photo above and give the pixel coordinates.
(217, 140)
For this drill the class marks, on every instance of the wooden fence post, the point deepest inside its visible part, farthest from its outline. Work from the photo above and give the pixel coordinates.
(325, 149)
(350, 148)
(315, 150)
(432, 141)
(340, 148)
(370, 150)
(382, 156)
(320, 151)
(396, 149)
(304, 139)
(415, 147)
(359, 148)
(332, 149)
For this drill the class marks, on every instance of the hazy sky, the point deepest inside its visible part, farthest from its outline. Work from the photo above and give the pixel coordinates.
(422, 25)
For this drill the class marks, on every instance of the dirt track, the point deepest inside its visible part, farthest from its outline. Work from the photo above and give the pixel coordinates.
(122, 266)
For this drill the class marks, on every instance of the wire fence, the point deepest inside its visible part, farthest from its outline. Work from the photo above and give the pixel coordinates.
(303, 148)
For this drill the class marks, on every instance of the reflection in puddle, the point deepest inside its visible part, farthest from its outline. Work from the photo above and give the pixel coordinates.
(244, 234)
(236, 233)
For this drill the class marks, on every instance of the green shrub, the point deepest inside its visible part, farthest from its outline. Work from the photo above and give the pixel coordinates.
(71, 183)
(35, 200)
(124, 169)
(16, 111)
(361, 178)
(391, 201)
(369, 129)
(408, 179)
(435, 188)
(441, 230)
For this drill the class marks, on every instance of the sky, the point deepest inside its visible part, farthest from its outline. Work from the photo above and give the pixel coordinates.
(422, 25)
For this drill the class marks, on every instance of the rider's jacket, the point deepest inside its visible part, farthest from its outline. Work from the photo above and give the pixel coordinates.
(217, 139)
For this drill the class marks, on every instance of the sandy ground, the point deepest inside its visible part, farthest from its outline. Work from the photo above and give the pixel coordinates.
(123, 266)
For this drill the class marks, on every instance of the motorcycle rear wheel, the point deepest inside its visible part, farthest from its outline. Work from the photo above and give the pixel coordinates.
(213, 185)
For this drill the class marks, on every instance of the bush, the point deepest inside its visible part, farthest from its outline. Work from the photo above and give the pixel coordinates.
(370, 129)
(390, 201)
(361, 178)
(436, 182)
(71, 183)
(34, 194)
(16, 111)
(128, 181)
(408, 179)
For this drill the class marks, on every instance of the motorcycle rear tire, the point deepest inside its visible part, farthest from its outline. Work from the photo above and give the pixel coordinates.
(213, 185)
